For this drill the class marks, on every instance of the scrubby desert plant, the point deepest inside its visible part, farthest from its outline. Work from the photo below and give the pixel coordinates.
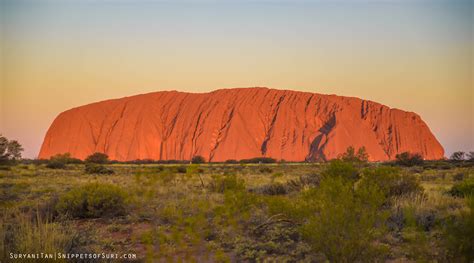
(100, 158)
(462, 189)
(265, 170)
(92, 201)
(56, 164)
(198, 159)
(271, 189)
(92, 168)
(259, 160)
(343, 223)
(391, 182)
(23, 233)
(408, 159)
(59, 161)
(305, 181)
(338, 168)
(457, 156)
(181, 169)
(220, 184)
(459, 235)
(10, 150)
(352, 156)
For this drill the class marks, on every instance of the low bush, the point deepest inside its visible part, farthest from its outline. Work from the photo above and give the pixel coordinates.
(459, 235)
(408, 159)
(100, 158)
(338, 168)
(391, 182)
(55, 164)
(271, 189)
(305, 181)
(231, 161)
(181, 169)
(352, 156)
(92, 168)
(265, 170)
(220, 184)
(259, 160)
(462, 189)
(458, 177)
(198, 159)
(342, 221)
(32, 233)
(93, 200)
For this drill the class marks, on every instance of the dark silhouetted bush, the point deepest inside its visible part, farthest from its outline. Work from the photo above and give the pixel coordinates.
(92, 168)
(231, 161)
(59, 161)
(181, 169)
(258, 160)
(198, 159)
(408, 159)
(93, 201)
(56, 164)
(457, 156)
(100, 158)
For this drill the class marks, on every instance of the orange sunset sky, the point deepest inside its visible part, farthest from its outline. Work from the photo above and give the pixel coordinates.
(413, 55)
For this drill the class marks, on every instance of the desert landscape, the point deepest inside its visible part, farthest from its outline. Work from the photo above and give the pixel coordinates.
(236, 131)
(346, 210)
(180, 177)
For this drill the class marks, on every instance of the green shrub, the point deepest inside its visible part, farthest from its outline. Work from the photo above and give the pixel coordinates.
(458, 177)
(181, 169)
(56, 164)
(408, 159)
(459, 235)
(92, 168)
(342, 221)
(462, 189)
(59, 161)
(231, 161)
(352, 156)
(389, 180)
(220, 184)
(271, 189)
(97, 157)
(92, 201)
(198, 159)
(305, 181)
(338, 168)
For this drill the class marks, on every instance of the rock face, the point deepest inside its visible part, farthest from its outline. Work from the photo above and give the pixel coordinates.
(238, 124)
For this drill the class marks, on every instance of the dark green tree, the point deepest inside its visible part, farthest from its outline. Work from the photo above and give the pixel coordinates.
(198, 159)
(97, 157)
(457, 156)
(9, 150)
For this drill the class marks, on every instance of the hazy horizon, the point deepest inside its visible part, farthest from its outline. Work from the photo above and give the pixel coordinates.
(412, 55)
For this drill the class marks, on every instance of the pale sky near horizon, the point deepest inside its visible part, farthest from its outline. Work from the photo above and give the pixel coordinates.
(412, 55)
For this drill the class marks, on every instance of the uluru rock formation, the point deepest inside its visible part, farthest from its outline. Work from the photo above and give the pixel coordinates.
(238, 124)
